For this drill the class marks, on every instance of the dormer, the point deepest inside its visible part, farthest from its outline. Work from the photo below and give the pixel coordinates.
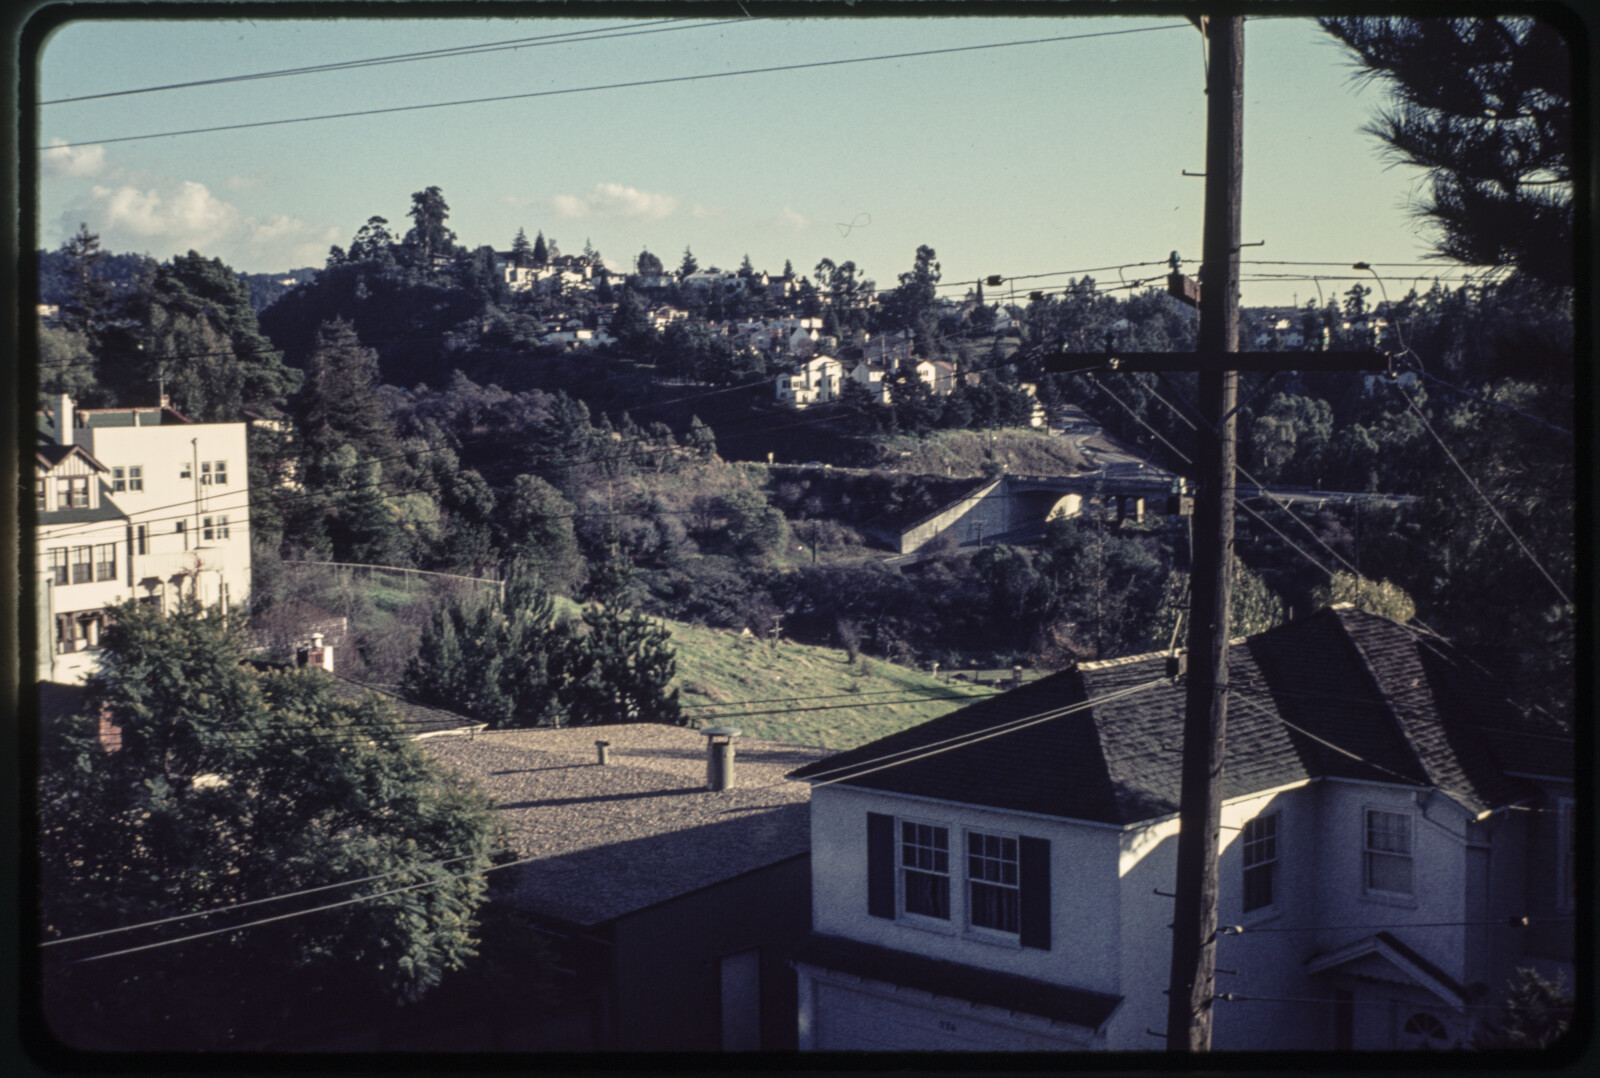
(66, 478)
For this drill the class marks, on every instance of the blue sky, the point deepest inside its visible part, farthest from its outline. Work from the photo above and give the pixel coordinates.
(1017, 161)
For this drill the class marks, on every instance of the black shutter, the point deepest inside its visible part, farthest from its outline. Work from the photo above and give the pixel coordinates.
(880, 865)
(1033, 870)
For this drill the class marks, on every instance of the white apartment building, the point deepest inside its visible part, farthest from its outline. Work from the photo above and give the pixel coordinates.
(133, 503)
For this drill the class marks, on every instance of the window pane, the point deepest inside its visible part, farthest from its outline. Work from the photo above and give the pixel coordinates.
(1257, 887)
(928, 894)
(1387, 872)
(995, 907)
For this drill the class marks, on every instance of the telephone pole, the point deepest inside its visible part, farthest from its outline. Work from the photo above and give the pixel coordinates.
(1191, 989)
(1194, 920)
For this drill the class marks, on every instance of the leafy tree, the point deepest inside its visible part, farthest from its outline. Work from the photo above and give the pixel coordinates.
(754, 528)
(66, 365)
(689, 265)
(908, 303)
(428, 236)
(1484, 105)
(650, 265)
(536, 524)
(1374, 596)
(229, 787)
(700, 438)
(1536, 1013)
(630, 324)
(373, 243)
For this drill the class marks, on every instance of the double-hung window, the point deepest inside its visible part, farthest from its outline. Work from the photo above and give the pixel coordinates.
(993, 884)
(72, 492)
(119, 480)
(105, 561)
(58, 565)
(996, 886)
(214, 472)
(82, 564)
(1260, 860)
(39, 495)
(1388, 852)
(135, 477)
(925, 869)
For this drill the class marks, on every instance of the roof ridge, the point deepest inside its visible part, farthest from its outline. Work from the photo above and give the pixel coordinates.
(1122, 660)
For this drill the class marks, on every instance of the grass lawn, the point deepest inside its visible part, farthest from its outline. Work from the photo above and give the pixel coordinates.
(803, 694)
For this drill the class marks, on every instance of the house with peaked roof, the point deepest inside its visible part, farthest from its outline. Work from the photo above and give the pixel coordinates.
(1397, 839)
(670, 887)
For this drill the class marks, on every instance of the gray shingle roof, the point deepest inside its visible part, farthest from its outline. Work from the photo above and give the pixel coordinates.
(642, 829)
(1403, 706)
(106, 510)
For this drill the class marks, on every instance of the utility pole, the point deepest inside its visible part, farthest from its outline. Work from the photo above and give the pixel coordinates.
(1194, 920)
(1191, 990)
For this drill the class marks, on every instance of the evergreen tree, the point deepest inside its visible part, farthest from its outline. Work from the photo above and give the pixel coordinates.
(620, 670)
(1484, 105)
(90, 294)
(689, 265)
(521, 250)
(700, 438)
(536, 522)
(338, 405)
(364, 528)
(541, 251)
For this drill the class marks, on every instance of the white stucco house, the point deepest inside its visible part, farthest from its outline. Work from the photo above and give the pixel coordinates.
(815, 381)
(1397, 840)
(133, 503)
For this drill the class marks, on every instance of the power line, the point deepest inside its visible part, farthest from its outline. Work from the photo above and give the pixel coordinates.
(608, 86)
(260, 901)
(1412, 404)
(573, 37)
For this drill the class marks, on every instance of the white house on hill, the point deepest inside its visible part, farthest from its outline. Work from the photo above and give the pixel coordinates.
(815, 381)
(133, 503)
(1390, 819)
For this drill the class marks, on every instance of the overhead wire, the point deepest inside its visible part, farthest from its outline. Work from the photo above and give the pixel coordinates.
(634, 84)
(573, 37)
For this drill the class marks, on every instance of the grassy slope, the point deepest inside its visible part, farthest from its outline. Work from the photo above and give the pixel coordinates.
(849, 700)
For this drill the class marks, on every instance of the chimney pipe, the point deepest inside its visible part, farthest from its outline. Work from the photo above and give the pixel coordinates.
(719, 756)
(63, 419)
(604, 749)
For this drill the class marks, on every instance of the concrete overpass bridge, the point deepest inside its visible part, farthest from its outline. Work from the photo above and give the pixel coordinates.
(1015, 508)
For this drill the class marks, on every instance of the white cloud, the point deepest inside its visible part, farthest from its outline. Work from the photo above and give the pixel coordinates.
(189, 217)
(616, 200)
(518, 202)
(60, 160)
(797, 221)
(700, 210)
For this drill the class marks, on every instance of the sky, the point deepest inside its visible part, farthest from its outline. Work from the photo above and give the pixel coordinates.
(1035, 162)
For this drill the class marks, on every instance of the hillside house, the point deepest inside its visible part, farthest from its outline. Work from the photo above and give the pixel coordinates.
(133, 503)
(814, 381)
(872, 380)
(937, 375)
(1389, 817)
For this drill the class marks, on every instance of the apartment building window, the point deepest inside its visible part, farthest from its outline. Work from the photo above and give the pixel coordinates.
(130, 478)
(72, 492)
(140, 539)
(1388, 852)
(184, 471)
(208, 531)
(82, 564)
(39, 494)
(58, 565)
(993, 885)
(77, 632)
(222, 527)
(214, 472)
(925, 869)
(105, 561)
(1260, 860)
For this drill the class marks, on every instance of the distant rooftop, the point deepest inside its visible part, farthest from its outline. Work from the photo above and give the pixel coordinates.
(641, 829)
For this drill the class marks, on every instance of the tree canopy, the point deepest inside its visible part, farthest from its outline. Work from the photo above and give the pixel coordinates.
(1484, 105)
(230, 786)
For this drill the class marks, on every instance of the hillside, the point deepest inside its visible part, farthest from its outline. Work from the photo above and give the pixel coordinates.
(803, 694)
